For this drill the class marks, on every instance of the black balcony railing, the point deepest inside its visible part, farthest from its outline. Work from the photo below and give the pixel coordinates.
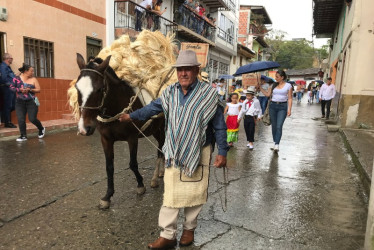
(131, 18)
(201, 25)
(225, 36)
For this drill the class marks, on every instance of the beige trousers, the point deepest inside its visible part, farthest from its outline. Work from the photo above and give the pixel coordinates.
(168, 217)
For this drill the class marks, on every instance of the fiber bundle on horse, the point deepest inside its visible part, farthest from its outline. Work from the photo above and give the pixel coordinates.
(144, 63)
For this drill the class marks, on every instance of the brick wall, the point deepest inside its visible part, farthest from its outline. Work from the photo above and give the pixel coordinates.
(53, 99)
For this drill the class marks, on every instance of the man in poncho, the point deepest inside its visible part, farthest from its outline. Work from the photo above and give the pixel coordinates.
(194, 117)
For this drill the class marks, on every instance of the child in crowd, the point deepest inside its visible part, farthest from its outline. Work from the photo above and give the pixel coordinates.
(232, 110)
(251, 108)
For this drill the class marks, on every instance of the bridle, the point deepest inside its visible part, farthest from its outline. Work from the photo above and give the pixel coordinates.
(104, 94)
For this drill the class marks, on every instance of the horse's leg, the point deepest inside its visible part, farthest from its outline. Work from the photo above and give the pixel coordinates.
(109, 158)
(133, 146)
(160, 163)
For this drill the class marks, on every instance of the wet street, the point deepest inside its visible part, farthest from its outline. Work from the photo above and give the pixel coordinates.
(308, 196)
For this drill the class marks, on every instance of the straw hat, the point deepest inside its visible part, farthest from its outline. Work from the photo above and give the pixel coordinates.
(250, 90)
(204, 76)
(186, 58)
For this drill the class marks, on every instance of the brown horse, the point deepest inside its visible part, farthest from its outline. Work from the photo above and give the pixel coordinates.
(102, 93)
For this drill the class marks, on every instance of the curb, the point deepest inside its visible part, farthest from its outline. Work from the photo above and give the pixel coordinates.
(365, 179)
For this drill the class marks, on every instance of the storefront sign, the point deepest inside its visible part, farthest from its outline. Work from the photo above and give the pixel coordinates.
(201, 50)
(249, 80)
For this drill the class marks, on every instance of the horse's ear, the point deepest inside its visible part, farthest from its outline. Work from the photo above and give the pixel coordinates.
(81, 62)
(102, 67)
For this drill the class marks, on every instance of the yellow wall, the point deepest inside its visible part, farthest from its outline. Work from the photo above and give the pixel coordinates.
(66, 30)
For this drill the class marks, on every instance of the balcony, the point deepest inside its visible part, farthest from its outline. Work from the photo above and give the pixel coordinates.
(130, 18)
(194, 26)
(217, 4)
(228, 38)
(257, 30)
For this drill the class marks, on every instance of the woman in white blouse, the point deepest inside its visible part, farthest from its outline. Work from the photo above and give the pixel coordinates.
(280, 105)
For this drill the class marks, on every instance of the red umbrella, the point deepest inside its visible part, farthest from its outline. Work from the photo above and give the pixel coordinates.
(300, 82)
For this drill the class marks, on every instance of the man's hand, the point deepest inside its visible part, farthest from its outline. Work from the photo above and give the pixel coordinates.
(124, 118)
(220, 161)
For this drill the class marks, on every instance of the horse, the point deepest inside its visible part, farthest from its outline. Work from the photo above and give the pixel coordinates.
(102, 94)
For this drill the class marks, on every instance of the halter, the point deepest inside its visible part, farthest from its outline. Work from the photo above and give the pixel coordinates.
(105, 90)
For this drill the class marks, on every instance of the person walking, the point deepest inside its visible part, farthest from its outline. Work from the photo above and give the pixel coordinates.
(261, 97)
(25, 86)
(252, 111)
(194, 115)
(299, 93)
(232, 110)
(6, 78)
(326, 94)
(280, 105)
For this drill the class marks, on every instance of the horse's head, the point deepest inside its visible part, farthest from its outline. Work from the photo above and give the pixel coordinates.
(91, 92)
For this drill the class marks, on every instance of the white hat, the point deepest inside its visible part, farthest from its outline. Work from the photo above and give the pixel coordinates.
(186, 58)
(250, 90)
(204, 76)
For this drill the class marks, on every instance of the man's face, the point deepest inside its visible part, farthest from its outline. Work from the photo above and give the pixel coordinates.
(187, 75)
(329, 82)
(9, 59)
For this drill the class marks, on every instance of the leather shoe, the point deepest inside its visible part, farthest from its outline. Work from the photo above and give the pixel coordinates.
(187, 238)
(162, 243)
(10, 125)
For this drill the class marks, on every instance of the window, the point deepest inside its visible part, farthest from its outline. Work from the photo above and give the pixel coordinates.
(39, 54)
(226, 29)
(223, 69)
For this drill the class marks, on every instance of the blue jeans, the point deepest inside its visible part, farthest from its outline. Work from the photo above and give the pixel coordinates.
(139, 16)
(263, 102)
(278, 113)
(299, 96)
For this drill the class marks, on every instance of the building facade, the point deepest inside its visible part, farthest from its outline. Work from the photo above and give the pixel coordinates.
(47, 34)
(349, 24)
(217, 27)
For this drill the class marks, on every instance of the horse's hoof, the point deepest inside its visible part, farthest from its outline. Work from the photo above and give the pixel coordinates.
(104, 204)
(140, 190)
(154, 183)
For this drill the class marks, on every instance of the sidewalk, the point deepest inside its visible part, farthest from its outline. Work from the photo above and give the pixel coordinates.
(360, 144)
(52, 125)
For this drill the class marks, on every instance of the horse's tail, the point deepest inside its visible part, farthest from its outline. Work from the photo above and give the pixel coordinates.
(73, 100)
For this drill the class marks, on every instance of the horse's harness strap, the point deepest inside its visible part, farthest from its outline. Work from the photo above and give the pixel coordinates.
(93, 70)
(125, 110)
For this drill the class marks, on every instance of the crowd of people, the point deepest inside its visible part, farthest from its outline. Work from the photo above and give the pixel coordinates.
(18, 93)
(250, 104)
(193, 15)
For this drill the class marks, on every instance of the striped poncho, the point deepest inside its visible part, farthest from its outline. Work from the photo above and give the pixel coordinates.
(186, 124)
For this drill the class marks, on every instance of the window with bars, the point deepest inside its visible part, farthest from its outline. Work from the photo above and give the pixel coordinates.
(40, 55)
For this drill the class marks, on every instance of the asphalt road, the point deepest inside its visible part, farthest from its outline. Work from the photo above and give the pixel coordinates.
(308, 196)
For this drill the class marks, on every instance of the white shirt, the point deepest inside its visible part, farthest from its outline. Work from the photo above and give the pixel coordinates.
(233, 108)
(281, 95)
(144, 4)
(327, 92)
(265, 86)
(253, 110)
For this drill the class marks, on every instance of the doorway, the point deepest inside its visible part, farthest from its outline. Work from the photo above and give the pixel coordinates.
(93, 47)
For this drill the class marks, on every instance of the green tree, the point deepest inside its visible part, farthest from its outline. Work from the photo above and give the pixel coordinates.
(296, 54)
(275, 38)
